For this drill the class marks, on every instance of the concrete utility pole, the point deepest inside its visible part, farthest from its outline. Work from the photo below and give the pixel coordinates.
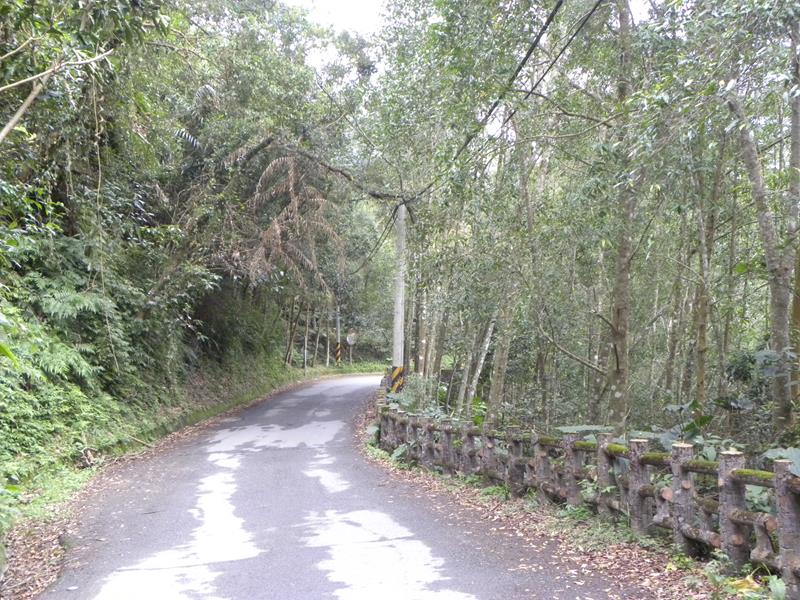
(398, 341)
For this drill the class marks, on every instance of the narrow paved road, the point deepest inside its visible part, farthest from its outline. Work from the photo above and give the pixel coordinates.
(278, 503)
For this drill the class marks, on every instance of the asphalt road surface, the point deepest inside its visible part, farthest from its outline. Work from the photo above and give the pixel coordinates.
(277, 502)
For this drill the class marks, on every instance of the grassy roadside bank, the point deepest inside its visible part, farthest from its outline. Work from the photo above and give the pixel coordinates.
(211, 391)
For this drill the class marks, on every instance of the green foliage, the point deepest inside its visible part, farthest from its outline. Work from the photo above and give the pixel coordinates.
(372, 432)
(579, 513)
(792, 454)
(399, 453)
(759, 499)
(750, 584)
(472, 479)
(777, 588)
(588, 489)
(500, 492)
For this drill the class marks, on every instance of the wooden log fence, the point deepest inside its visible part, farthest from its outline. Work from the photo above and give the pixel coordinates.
(702, 502)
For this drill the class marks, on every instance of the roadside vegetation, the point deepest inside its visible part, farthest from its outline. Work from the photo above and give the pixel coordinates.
(165, 256)
(603, 205)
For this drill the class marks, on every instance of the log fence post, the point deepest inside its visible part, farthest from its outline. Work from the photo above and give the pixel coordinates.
(399, 431)
(469, 451)
(603, 473)
(637, 478)
(515, 469)
(735, 536)
(682, 492)
(573, 464)
(448, 450)
(788, 503)
(391, 421)
(383, 425)
(429, 444)
(486, 455)
(435, 442)
(541, 464)
(413, 444)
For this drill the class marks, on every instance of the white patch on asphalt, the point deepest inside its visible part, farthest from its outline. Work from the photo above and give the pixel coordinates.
(373, 556)
(332, 482)
(225, 460)
(255, 437)
(185, 571)
(323, 458)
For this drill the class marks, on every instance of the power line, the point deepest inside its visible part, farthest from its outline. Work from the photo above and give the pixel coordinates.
(558, 56)
(512, 79)
(509, 85)
(484, 121)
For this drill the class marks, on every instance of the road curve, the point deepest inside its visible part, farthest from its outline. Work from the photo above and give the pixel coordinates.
(277, 502)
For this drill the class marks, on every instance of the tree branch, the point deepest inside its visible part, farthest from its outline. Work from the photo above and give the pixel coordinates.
(19, 48)
(574, 357)
(350, 178)
(35, 91)
(55, 68)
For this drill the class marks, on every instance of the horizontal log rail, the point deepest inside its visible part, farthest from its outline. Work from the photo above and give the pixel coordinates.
(628, 479)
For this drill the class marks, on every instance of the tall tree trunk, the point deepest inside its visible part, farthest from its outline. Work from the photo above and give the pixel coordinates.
(408, 340)
(305, 338)
(438, 351)
(785, 416)
(688, 351)
(796, 331)
(706, 233)
(505, 334)
(469, 335)
(292, 329)
(419, 327)
(619, 371)
(328, 340)
(725, 335)
(483, 350)
(673, 337)
(316, 340)
(597, 388)
(779, 256)
(432, 328)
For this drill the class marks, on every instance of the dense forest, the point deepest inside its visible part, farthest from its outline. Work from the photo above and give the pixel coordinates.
(167, 248)
(603, 205)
